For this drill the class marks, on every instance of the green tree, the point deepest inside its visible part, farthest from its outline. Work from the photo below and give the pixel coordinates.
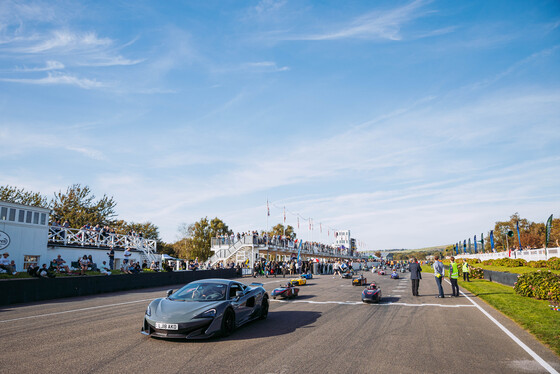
(279, 229)
(196, 238)
(78, 206)
(166, 248)
(20, 196)
(148, 229)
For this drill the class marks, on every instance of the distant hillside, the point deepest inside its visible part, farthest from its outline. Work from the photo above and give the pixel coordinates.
(427, 249)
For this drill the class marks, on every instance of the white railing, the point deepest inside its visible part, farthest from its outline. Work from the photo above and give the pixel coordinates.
(80, 237)
(528, 254)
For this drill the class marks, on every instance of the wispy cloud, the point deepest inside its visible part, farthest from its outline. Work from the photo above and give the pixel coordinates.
(515, 67)
(379, 24)
(264, 66)
(58, 79)
(50, 65)
(268, 6)
(64, 41)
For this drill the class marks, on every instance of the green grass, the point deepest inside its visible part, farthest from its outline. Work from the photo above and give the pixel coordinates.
(533, 315)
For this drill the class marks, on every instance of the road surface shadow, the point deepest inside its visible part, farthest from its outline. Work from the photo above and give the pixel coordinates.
(277, 323)
(389, 299)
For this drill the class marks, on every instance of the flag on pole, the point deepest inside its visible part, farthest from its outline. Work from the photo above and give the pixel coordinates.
(267, 209)
(492, 240)
(284, 214)
(518, 236)
(464, 246)
(309, 224)
(469, 245)
(320, 227)
(548, 228)
(475, 251)
(298, 222)
(482, 242)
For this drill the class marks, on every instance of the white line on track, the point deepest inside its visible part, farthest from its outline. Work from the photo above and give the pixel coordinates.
(75, 310)
(532, 353)
(362, 303)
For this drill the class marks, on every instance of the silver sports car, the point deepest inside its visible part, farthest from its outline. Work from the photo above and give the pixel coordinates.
(205, 308)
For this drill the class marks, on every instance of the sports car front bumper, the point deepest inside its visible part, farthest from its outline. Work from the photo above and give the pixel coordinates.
(189, 330)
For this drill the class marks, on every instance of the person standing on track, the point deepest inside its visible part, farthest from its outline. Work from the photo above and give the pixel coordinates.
(454, 277)
(466, 270)
(415, 275)
(439, 273)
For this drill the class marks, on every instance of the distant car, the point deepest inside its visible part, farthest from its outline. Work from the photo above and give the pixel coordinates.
(381, 272)
(371, 294)
(288, 292)
(395, 275)
(359, 281)
(205, 308)
(307, 276)
(298, 282)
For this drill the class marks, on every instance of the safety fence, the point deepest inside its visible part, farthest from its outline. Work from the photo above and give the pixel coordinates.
(526, 254)
(28, 290)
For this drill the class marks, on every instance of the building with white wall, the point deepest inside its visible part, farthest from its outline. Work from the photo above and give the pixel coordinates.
(26, 235)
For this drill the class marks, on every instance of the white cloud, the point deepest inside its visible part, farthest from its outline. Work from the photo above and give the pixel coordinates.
(374, 25)
(65, 41)
(58, 79)
(264, 66)
(50, 65)
(268, 6)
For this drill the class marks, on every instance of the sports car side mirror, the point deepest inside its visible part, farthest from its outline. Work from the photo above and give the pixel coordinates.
(169, 292)
(238, 294)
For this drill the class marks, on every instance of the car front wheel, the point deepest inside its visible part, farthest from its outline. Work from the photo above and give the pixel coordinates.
(228, 322)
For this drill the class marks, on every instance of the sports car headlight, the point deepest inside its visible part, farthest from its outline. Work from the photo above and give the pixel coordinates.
(210, 313)
(148, 311)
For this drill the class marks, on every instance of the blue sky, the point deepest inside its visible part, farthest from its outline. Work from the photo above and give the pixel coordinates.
(411, 123)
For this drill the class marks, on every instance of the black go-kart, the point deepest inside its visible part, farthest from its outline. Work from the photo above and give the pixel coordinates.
(371, 294)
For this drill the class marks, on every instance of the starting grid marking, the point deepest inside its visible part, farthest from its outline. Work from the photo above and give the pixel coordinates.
(381, 303)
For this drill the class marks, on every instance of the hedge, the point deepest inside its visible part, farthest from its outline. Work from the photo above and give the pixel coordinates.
(543, 285)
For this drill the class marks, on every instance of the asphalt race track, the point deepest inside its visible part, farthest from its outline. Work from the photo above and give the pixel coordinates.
(326, 330)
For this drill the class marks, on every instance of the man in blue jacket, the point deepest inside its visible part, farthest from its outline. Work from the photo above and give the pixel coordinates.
(415, 275)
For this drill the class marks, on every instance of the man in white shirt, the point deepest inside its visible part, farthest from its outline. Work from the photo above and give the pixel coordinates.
(126, 255)
(5, 264)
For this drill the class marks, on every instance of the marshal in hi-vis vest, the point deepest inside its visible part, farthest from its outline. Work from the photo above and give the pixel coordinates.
(454, 271)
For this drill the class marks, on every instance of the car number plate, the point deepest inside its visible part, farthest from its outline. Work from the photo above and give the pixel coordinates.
(167, 326)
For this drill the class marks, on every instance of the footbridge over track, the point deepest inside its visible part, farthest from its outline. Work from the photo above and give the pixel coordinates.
(250, 248)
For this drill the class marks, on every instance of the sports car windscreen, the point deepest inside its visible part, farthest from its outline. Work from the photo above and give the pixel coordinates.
(200, 292)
